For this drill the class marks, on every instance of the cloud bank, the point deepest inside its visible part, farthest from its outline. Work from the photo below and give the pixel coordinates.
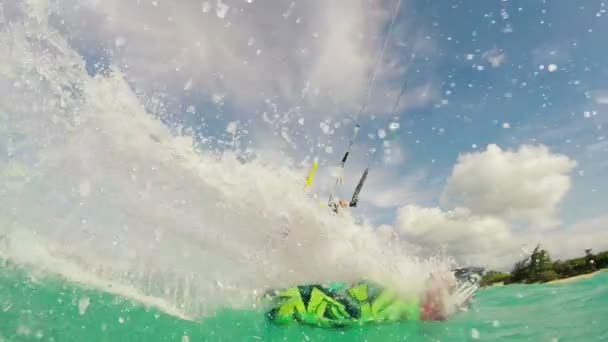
(527, 184)
(499, 198)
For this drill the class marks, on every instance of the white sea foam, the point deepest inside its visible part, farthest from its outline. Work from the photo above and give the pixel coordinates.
(96, 189)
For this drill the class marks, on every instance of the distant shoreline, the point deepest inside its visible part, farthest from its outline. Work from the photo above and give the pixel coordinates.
(557, 281)
(575, 278)
(539, 268)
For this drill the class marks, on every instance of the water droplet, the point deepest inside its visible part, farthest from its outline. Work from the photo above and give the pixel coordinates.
(474, 334)
(217, 98)
(188, 85)
(381, 133)
(324, 127)
(83, 305)
(221, 10)
(84, 188)
(22, 330)
(120, 41)
(232, 127)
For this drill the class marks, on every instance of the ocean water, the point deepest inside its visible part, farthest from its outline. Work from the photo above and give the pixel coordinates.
(35, 307)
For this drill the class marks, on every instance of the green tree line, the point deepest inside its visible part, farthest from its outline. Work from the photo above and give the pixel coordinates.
(538, 267)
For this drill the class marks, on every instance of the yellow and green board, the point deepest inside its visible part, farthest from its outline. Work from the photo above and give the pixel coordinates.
(339, 305)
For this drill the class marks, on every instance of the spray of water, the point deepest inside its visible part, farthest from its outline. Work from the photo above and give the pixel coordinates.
(96, 189)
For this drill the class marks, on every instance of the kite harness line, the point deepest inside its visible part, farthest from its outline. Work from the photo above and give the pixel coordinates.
(335, 205)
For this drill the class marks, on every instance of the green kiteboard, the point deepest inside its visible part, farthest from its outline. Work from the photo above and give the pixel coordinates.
(340, 305)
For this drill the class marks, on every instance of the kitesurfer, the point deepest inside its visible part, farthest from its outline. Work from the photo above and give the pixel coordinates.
(336, 206)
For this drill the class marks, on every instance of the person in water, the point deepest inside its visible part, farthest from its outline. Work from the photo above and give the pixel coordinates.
(336, 206)
(435, 301)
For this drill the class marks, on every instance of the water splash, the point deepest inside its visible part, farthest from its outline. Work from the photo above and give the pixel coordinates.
(101, 192)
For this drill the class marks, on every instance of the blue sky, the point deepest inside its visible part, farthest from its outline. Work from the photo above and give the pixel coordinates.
(292, 75)
(540, 106)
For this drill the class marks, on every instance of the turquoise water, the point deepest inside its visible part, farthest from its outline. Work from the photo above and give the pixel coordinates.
(47, 309)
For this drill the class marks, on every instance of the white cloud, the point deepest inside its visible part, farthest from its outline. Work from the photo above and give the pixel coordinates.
(501, 199)
(471, 238)
(312, 53)
(527, 184)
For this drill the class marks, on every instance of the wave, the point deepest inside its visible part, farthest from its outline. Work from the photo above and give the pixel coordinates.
(101, 191)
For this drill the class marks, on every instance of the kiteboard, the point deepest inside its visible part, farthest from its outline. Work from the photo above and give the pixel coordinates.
(340, 304)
